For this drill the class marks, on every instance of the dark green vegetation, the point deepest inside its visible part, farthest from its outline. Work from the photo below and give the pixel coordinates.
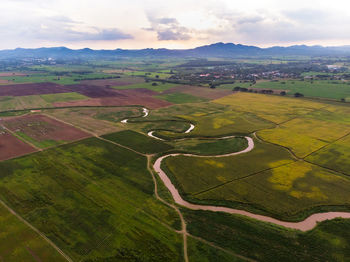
(211, 147)
(181, 98)
(94, 200)
(329, 241)
(21, 243)
(138, 142)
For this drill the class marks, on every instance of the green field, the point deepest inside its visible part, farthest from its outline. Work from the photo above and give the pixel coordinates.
(181, 98)
(318, 88)
(63, 97)
(18, 242)
(211, 146)
(159, 87)
(329, 241)
(94, 200)
(194, 175)
(138, 142)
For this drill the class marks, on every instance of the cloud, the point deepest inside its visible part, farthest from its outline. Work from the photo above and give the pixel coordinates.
(168, 28)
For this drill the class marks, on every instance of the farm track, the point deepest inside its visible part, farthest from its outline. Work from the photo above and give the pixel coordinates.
(37, 231)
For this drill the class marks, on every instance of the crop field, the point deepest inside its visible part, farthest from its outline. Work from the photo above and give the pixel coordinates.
(211, 146)
(43, 131)
(98, 120)
(272, 108)
(70, 79)
(86, 202)
(159, 87)
(329, 241)
(88, 181)
(206, 93)
(325, 89)
(225, 123)
(334, 156)
(51, 98)
(18, 242)
(181, 98)
(286, 192)
(138, 142)
(195, 175)
(11, 146)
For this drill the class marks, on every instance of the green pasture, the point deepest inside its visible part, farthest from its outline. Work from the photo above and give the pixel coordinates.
(138, 142)
(94, 200)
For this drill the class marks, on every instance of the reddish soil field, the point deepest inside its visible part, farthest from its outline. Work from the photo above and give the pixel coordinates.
(94, 91)
(41, 128)
(11, 147)
(125, 97)
(4, 82)
(107, 82)
(32, 89)
(204, 92)
(12, 74)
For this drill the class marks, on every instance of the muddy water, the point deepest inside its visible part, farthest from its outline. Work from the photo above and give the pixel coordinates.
(304, 225)
(190, 129)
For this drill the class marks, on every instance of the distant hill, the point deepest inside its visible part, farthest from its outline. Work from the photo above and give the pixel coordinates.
(225, 50)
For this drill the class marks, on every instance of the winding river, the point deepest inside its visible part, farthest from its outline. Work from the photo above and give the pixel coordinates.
(305, 225)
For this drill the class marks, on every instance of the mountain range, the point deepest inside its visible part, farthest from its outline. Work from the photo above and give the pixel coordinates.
(223, 50)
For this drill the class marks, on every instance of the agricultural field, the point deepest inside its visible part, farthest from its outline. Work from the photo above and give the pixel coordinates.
(138, 142)
(42, 131)
(333, 89)
(80, 144)
(11, 146)
(21, 243)
(181, 98)
(85, 202)
(194, 175)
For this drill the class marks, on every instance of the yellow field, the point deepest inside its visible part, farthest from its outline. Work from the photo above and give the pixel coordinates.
(273, 108)
(305, 135)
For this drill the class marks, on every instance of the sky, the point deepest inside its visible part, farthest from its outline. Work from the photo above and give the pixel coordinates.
(177, 24)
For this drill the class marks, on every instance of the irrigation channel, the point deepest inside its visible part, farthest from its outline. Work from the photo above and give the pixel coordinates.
(305, 225)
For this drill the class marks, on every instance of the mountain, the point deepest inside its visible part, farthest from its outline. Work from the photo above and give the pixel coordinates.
(224, 50)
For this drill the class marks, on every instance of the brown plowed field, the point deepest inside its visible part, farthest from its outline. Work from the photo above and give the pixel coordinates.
(11, 146)
(125, 97)
(41, 128)
(107, 82)
(32, 89)
(94, 91)
(12, 74)
(204, 92)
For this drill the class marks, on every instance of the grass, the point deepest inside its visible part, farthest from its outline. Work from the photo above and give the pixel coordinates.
(319, 88)
(138, 142)
(18, 242)
(94, 200)
(329, 241)
(63, 97)
(22, 102)
(211, 147)
(181, 98)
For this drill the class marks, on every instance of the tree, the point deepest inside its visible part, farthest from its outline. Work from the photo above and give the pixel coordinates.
(297, 94)
(283, 93)
(154, 84)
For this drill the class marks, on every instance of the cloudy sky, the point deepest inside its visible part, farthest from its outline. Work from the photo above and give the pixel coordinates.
(110, 24)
